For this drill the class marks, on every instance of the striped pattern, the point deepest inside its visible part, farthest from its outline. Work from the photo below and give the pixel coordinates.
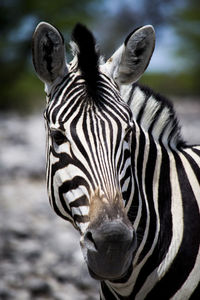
(95, 153)
(165, 207)
(162, 202)
(120, 147)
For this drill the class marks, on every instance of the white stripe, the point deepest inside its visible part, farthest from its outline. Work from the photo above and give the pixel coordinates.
(152, 278)
(80, 211)
(138, 99)
(190, 173)
(150, 111)
(139, 211)
(160, 123)
(125, 185)
(82, 226)
(177, 219)
(74, 194)
(126, 288)
(142, 244)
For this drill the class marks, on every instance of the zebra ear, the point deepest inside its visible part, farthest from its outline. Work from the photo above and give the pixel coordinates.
(129, 62)
(48, 53)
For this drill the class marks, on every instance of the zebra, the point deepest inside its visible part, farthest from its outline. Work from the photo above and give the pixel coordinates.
(118, 168)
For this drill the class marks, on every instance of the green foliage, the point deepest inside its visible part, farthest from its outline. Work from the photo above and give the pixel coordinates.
(18, 19)
(20, 88)
(187, 25)
(178, 84)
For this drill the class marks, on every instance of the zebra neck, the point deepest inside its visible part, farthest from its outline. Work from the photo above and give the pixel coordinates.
(154, 114)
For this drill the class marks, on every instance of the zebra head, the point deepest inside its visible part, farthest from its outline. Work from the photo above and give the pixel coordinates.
(89, 132)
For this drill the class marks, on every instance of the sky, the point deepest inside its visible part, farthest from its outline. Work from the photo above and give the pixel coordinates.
(163, 59)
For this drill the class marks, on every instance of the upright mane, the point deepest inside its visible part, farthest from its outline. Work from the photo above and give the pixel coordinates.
(88, 58)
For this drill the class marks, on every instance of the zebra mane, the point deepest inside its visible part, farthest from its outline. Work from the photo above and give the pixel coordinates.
(88, 57)
(156, 115)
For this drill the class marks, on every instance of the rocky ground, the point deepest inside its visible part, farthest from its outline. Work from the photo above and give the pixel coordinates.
(40, 256)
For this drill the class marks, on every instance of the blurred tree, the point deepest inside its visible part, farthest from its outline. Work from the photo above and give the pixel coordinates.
(18, 19)
(182, 16)
(110, 19)
(187, 24)
(131, 14)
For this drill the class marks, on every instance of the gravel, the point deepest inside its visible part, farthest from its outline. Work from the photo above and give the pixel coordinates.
(40, 256)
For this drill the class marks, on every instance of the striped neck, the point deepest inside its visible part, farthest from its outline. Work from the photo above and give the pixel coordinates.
(154, 114)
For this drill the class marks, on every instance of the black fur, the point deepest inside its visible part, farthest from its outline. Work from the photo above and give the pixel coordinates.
(88, 58)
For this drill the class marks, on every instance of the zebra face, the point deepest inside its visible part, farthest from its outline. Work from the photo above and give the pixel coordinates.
(88, 152)
(89, 132)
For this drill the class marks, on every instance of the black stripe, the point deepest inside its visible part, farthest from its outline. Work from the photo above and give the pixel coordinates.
(81, 219)
(106, 291)
(197, 151)
(65, 160)
(85, 130)
(59, 87)
(55, 207)
(131, 99)
(132, 213)
(68, 186)
(140, 159)
(126, 194)
(186, 256)
(153, 122)
(193, 164)
(73, 184)
(149, 174)
(78, 142)
(165, 221)
(141, 111)
(81, 201)
(164, 206)
(111, 101)
(98, 145)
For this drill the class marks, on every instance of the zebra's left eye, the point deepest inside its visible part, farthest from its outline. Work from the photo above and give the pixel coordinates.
(58, 137)
(128, 133)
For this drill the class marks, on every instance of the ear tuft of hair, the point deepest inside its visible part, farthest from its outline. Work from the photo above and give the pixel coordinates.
(88, 58)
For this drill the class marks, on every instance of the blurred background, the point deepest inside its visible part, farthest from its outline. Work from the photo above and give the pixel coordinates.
(40, 255)
(174, 69)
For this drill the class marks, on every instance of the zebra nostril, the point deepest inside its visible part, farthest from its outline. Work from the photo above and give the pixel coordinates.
(89, 241)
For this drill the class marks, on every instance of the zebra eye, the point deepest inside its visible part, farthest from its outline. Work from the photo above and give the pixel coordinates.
(58, 137)
(128, 133)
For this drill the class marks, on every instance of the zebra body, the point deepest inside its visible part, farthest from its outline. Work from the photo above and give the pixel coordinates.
(165, 168)
(118, 169)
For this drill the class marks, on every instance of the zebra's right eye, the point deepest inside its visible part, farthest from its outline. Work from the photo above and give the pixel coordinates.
(58, 137)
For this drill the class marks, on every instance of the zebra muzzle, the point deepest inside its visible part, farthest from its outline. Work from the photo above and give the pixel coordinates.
(108, 249)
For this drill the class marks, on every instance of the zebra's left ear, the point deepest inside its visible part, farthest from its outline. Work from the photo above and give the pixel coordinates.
(48, 52)
(130, 61)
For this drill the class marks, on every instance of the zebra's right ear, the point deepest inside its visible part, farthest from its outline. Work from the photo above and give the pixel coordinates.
(129, 62)
(48, 53)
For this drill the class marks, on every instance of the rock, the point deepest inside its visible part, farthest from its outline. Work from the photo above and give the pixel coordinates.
(6, 294)
(38, 287)
(22, 150)
(18, 230)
